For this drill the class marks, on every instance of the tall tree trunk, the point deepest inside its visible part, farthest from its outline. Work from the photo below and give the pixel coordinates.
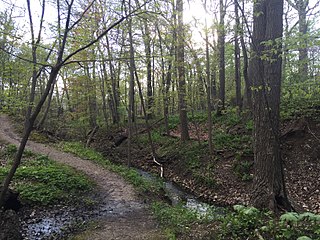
(147, 45)
(103, 77)
(44, 117)
(303, 28)
(237, 75)
(131, 107)
(210, 140)
(246, 67)
(92, 97)
(268, 184)
(181, 74)
(114, 97)
(221, 47)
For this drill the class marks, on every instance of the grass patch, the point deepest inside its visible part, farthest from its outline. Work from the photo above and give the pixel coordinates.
(39, 180)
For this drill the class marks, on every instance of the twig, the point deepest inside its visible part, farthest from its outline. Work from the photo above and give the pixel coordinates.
(161, 167)
(312, 133)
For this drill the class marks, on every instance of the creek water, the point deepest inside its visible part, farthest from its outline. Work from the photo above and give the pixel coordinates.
(57, 222)
(179, 196)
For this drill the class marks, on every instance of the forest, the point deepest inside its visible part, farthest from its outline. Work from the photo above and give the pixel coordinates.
(160, 119)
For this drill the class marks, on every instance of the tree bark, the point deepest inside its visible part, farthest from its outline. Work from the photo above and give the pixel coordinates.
(221, 47)
(303, 50)
(208, 88)
(147, 45)
(268, 185)
(181, 74)
(237, 75)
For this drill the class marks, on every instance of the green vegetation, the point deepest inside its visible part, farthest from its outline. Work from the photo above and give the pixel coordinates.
(300, 99)
(250, 223)
(241, 223)
(129, 174)
(175, 220)
(40, 180)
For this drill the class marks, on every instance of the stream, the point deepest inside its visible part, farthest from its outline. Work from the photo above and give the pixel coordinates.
(59, 221)
(179, 196)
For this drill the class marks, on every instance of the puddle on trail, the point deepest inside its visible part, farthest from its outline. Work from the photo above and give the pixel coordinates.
(59, 221)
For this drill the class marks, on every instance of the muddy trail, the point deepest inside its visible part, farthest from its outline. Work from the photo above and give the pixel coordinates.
(129, 216)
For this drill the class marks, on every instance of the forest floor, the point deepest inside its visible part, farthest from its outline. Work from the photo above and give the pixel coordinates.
(225, 179)
(131, 218)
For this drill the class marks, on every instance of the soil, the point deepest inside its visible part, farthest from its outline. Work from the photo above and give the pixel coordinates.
(130, 218)
(300, 144)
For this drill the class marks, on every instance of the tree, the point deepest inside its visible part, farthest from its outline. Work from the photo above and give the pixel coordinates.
(237, 75)
(221, 47)
(301, 7)
(181, 73)
(268, 185)
(61, 59)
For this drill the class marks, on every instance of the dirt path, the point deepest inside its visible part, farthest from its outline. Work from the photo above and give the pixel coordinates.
(130, 219)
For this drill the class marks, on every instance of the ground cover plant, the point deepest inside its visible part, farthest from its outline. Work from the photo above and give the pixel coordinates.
(238, 223)
(41, 181)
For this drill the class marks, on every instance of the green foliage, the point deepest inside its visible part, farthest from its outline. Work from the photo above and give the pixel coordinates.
(223, 140)
(242, 169)
(42, 181)
(38, 137)
(300, 98)
(230, 117)
(198, 117)
(176, 219)
(249, 125)
(250, 223)
(11, 149)
(174, 121)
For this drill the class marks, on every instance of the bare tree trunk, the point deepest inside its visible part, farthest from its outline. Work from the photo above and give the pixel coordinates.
(268, 185)
(131, 93)
(303, 28)
(181, 74)
(221, 47)
(115, 95)
(147, 45)
(44, 117)
(103, 76)
(237, 75)
(210, 140)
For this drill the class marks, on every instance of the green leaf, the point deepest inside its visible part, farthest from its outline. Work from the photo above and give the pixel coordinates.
(289, 217)
(304, 238)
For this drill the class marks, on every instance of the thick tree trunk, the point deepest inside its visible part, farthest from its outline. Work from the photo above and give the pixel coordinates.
(268, 184)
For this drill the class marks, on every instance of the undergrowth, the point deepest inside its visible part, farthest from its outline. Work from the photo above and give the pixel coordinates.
(240, 223)
(39, 180)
